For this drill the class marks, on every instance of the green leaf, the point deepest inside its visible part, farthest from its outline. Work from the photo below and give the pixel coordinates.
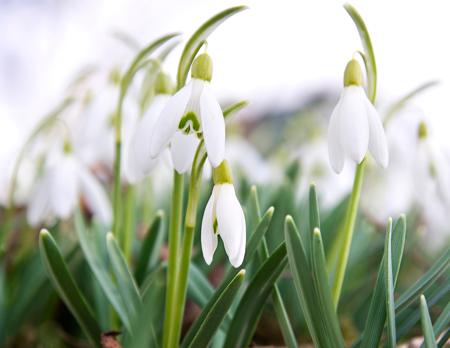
(424, 282)
(203, 329)
(97, 259)
(333, 334)
(369, 56)
(233, 108)
(151, 246)
(126, 284)
(66, 287)
(303, 281)
(197, 40)
(389, 285)
(427, 327)
(252, 302)
(376, 316)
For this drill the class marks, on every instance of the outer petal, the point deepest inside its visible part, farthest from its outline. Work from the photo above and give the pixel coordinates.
(95, 196)
(64, 186)
(139, 163)
(231, 224)
(168, 120)
(39, 206)
(208, 237)
(377, 139)
(213, 126)
(353, 123)
(183, 150)
(335, 151)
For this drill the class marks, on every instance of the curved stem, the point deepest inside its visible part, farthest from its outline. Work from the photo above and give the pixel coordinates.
(172, 267)
(347, 232)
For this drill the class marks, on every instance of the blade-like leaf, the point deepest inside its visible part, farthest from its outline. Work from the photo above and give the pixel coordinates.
(389, 285)
(233, 108)
(149, 253)
(197, 39)
(66, 287)
(252, 302)
(424, 282)
(377, 311)
(427, 327)
(369, 56)
(333, 334)
(99, 266)
(126, 284)
(203, 329)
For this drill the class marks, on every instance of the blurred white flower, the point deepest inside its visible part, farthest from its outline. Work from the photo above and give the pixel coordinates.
(65, 179)
(139, 163)
(191, 113)
(223, 216)
(355, 125)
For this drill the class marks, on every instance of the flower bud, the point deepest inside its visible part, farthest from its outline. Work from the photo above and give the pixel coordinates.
(222, 174)
(353, 74)
(163, 84)
(202, 67)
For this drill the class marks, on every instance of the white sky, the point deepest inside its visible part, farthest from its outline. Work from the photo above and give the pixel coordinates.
(270, 54)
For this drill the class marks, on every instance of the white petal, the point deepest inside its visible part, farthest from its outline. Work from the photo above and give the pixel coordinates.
(230, 218)
(64, 187)
(39, 206)
(377, 139)
(213, 126)
(208, 237)
(139, 163)
(95, 195)
(335, 151)
(169, 119)
(353, 123)
(183, 150)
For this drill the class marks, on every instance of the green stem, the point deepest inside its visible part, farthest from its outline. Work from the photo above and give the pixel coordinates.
(188, 240)
(347, 232)
(172, 267)
(117, 167)
(129, 223)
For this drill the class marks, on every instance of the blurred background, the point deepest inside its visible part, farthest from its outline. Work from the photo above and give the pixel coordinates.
(287, 59)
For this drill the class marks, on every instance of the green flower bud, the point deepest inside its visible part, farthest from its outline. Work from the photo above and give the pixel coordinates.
(202, 68)
(422, 131)
(67, 147)
(222, 174)
(353, 74)
(163, 84)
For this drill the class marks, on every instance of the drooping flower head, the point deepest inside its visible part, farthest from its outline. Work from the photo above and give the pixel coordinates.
(191, 114)
(223, 216)
(355, 126)
(138, 162)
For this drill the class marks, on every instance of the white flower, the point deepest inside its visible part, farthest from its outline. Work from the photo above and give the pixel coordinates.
(193, 112)
(138, 162)
(56, 194)
(355, 125)
(224, 216)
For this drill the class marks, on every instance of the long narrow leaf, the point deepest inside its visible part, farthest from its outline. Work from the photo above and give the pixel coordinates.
(251, 305)
(203, 329)
(149, 253)
(389, 285)
(333, 334)
(427, 327)
(376, 316)
(66, 287)
(197, 39)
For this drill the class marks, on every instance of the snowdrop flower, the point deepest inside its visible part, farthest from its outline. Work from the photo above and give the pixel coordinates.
(138, 162)
(192, 113)
(223, 216)
(56, 194)
(355, 125)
